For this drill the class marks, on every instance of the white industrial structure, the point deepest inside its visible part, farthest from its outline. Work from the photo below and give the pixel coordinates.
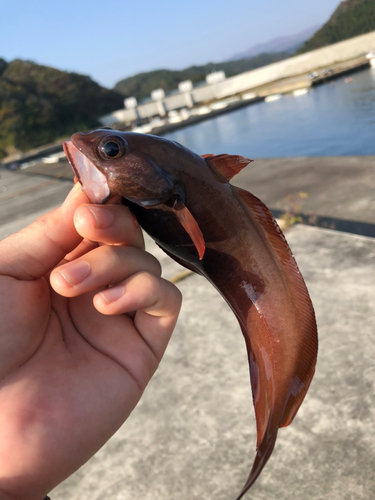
(215, 77)
(371, 57)
(218, 87)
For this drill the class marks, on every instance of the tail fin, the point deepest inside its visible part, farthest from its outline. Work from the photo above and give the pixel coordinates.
(264, 452)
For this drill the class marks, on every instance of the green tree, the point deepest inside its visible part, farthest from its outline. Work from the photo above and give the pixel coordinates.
(39, 104)
(350, 19)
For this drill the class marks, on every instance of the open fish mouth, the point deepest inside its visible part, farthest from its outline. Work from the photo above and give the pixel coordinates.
(93, 182)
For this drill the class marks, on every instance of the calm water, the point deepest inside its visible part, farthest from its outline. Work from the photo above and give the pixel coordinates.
(337, 118)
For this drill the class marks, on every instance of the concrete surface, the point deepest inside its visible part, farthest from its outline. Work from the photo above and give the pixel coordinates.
(193, 434)
(336, 187)
(339, 191)
(342, 187)
(22, 195)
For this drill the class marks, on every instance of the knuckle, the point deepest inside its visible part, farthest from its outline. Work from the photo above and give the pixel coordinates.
(178, 296)
(109, 251)
(151, 281)
(157, 265)
(174, 296)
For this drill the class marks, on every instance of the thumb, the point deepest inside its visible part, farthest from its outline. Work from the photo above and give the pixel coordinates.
(35, 250)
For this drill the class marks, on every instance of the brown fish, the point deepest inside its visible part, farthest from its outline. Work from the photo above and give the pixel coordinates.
(186, 204)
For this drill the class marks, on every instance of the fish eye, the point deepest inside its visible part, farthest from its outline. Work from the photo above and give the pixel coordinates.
(112, 148)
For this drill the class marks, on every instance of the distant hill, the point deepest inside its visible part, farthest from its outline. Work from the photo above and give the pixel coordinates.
(39, 104)
(351, 18)
(141, 85)
(281, 44)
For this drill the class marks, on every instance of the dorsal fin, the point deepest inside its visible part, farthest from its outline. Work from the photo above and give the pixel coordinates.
(227, 165)
(300, 296)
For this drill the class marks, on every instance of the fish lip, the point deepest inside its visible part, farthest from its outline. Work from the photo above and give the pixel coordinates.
(93, 181)
(69, 157)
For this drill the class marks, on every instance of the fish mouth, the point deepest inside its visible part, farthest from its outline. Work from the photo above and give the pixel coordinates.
(94, 183)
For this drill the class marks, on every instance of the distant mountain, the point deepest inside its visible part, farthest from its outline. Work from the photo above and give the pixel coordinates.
(351, 18)
(141, 85)
(39, 104)
(280, 44)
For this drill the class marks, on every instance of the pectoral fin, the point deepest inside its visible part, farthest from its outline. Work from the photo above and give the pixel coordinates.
(190, 225)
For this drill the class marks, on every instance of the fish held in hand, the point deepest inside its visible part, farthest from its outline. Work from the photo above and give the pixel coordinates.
(187, 205)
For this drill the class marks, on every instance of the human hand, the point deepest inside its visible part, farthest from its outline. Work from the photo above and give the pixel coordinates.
(75, 355)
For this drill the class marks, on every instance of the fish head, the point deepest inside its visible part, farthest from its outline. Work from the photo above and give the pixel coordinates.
(139, 168)
(108, 163)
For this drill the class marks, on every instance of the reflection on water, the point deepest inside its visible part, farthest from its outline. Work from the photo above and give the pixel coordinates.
(337, 118)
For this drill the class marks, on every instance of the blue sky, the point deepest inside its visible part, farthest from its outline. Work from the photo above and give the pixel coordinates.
(110, 40)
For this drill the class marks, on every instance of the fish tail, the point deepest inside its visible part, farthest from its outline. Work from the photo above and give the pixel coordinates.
(264, 452)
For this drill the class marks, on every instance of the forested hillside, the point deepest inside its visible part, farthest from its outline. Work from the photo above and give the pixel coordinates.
(39, 104)
(351, 18)
(142, 84)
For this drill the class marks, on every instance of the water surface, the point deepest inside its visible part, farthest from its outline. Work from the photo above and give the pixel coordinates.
(334, 119)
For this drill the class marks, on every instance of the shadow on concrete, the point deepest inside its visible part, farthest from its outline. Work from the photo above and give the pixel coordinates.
(343, 225)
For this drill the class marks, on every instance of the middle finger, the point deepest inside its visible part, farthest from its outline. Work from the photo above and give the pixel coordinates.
(103, 266)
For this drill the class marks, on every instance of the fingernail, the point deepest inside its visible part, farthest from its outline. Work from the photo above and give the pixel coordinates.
(103, 217)
(75, 272)
(112, 294)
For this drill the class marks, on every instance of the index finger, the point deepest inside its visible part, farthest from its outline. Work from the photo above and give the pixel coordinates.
(110, 224)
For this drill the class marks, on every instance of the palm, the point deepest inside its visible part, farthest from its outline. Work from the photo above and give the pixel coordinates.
(87, 390)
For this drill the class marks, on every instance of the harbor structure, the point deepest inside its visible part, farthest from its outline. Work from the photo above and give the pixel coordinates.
(371, 58)
(217, 87)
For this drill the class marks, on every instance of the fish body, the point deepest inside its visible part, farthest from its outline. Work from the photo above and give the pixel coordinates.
(186, 204)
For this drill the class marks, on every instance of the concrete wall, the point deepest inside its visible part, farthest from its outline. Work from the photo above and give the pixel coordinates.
(304, 63)
(297, 65)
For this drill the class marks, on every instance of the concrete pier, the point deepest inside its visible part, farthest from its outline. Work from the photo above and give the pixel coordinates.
(193, 434)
